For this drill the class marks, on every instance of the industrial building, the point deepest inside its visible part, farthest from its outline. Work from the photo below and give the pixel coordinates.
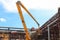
(9, 33)
(51, 29)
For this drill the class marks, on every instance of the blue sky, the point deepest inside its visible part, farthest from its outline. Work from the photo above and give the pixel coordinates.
(9, 17)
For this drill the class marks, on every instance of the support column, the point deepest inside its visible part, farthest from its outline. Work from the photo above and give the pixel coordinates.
(48, 32)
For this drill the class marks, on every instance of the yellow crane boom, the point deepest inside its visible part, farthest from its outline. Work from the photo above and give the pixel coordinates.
(19, 5)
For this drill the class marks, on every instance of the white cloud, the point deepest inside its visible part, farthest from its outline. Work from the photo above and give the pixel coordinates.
(10, 5)
(2, 20)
